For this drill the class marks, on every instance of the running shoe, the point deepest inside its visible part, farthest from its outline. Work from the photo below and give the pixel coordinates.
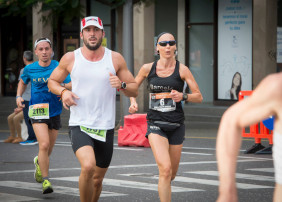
(47, 187)
(37, 174)
(29, 142)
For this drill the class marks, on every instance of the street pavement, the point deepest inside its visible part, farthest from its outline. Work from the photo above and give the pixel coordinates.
(133, 174)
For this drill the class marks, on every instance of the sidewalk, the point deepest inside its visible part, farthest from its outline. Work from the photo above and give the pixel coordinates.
(193, 129)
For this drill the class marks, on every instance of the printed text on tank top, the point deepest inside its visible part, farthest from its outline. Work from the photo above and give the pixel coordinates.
(161, 100)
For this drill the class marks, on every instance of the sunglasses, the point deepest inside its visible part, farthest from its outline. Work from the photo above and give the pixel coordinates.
(164, 43)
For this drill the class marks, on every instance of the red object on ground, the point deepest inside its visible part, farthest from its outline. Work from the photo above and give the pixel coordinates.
(133, 132)
(257, 131)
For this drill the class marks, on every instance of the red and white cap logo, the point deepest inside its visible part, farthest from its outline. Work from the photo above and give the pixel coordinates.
(91, 20)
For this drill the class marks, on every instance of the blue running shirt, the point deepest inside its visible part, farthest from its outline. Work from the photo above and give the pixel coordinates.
(38, 76)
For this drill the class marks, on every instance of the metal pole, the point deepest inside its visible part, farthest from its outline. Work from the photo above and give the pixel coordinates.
(127, 45)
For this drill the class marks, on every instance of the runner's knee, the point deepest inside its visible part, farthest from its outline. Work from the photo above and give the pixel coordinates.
(87, 169)
(44, 146)
(165, 171)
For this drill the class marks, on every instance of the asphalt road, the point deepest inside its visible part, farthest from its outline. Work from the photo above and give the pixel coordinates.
(133, 174)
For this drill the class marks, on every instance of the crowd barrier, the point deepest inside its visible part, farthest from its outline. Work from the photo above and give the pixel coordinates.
(133, 132)
(257, 131)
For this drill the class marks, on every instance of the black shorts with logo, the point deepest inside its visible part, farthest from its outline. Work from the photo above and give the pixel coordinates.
(174, 132)
(103, 150)
(53, 122)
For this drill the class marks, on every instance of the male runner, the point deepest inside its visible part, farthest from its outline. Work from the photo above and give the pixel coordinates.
(96, 73)
(45, 107)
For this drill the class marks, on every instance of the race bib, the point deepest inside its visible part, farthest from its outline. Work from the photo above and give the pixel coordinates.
(161, 102)
(39, 111)
(95, 133)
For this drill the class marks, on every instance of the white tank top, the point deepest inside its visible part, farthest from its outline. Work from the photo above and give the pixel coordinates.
(96, 107)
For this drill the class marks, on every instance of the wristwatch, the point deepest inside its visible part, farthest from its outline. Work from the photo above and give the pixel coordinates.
(123, 85)
(185, 97)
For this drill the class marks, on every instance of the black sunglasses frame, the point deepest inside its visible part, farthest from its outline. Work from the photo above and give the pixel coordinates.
(164, 43)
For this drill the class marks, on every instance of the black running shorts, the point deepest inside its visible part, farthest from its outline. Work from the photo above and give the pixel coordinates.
(103, 150)
(53, 122)
(174, 136)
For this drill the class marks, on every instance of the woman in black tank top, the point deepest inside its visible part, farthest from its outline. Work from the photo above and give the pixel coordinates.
(165, 116)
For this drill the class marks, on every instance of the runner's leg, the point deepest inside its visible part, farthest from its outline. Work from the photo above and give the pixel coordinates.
(175, 155)
(42, 134)
(160, 148)
(99, 175)
(86, 158)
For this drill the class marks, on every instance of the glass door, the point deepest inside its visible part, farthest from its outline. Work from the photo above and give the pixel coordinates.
(200, 45)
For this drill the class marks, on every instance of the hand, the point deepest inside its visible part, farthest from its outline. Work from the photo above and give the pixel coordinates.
(133, 108)
(233, 92)
(20, 101)
(176, 96)
(68, 99)
(17, 110)
(114, 81)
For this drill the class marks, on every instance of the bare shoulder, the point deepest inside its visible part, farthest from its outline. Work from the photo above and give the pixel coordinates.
(184, 71)
(183, 67)
(117, 58)
(68, 57)
(147, 67)
(67, 61)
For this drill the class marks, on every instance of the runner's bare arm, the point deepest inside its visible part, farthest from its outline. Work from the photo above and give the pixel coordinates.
(58, 76)
(142, 74)
(123, 75)
(60, 73)
(187, 76)
(20, 91)
(266, 100)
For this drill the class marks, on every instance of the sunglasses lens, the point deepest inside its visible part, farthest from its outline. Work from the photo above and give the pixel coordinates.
(171, 43)
(162, 43)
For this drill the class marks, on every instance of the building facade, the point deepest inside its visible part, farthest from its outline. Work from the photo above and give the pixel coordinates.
(215, 39)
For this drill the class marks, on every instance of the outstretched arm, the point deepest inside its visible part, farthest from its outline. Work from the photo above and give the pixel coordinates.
(265, 101)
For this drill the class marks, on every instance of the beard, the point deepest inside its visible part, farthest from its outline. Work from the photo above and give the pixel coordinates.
(92, 47)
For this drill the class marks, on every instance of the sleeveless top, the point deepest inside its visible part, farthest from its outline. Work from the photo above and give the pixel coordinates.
(96, 105)
(158, 84)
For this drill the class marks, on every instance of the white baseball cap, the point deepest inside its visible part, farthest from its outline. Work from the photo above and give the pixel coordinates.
(91, 20)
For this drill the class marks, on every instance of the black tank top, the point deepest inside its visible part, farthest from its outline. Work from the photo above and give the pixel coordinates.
(158, 84)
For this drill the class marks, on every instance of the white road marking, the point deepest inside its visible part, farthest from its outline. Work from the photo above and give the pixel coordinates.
(16, 198)
(130, 184)
(57, 189)
(267, 170)
(126, 148)
(135, 165)
(238, 175)
(211, 182)
(204, 154)
(204, 148)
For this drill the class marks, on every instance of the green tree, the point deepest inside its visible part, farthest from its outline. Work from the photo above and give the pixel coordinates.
(66, 10)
